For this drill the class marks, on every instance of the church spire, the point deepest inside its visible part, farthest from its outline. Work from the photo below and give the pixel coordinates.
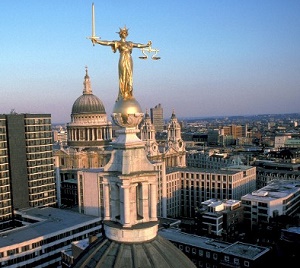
(147, 129)
(87, 89)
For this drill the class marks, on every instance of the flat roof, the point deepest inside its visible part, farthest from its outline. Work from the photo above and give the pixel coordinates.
(50, 221)
(244, 250)
(231, 170)
(193, 240)
(274, 190)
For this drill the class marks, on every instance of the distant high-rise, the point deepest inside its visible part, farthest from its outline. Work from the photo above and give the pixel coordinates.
(157, 117)
(26, 163)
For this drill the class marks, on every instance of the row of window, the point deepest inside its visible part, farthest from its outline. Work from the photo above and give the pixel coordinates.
(41, 179)
(5, 203)
(38, 142)
(34, 121)
(209, 255)
(38, 135)
(207, 176)
(40, 160)
(4, 167)
(42, 175)
(37, 128)
(5, 211)
(40, 169)
(4, 193)
(3, 160)
(42, 190)
(3, 148)
(42, 197)
(45, 202)
(4, 181)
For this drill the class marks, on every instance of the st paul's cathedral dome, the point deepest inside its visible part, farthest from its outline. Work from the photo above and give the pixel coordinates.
(89, 126)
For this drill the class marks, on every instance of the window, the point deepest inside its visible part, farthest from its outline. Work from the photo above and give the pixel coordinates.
(10, 252)
(236, 261)
(207, 254)
(226, 258)
(200, 252)
(246, 263)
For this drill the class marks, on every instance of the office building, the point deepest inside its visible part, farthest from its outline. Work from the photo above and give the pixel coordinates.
(186, 188)
(219, 218)
(27, 168)
(45, 232)
(210, 159)
(270, 170)
(280, 197)
(157, 117)
(208, 252)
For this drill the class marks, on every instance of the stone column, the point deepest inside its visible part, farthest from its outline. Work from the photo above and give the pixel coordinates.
(104, 133)
(88, 134)
(95, 134)
(110, 133)
(106, 201)
(126, 205)
(153, 192)
(100, 132)
(145, 200)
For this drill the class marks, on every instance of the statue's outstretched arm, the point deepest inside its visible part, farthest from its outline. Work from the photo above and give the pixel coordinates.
(142, 45)
(112, 44)
(103, 42)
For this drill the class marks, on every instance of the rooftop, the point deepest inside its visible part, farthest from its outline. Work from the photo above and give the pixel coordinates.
(193, 240)
(244, 250)
(48, 222)
(228, 170)
(247, 251)
(274, 190)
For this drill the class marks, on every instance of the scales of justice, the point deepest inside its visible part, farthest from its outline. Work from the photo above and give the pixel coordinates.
(125, 104)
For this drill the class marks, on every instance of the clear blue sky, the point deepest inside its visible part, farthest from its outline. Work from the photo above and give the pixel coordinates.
(218, 57)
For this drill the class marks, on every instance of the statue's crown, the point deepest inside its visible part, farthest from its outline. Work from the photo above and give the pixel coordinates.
(123, 30)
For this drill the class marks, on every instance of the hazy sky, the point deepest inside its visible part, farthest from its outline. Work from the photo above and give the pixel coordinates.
(218, 57)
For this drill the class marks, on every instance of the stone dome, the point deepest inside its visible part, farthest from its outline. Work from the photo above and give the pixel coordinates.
(158, 253)
(88, 104)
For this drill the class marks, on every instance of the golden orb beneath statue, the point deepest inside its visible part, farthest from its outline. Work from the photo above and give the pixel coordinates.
(127, 112)
(127, 106)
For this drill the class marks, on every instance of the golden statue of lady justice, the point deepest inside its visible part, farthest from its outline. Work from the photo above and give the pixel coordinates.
(125, 61)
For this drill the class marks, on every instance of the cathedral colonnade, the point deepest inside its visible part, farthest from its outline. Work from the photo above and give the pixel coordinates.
(90, 133)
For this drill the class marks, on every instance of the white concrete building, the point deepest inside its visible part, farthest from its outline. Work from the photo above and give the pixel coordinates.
(44, 233)
(277, 198)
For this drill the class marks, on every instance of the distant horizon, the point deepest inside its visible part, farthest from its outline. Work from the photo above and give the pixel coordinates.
(211, 117)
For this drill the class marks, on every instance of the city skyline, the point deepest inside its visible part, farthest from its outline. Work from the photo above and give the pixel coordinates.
(217, 57)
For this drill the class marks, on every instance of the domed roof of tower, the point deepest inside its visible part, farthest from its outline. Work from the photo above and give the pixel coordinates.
(147, 116)
(88, 103)
(107, 253)
(173, 116)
